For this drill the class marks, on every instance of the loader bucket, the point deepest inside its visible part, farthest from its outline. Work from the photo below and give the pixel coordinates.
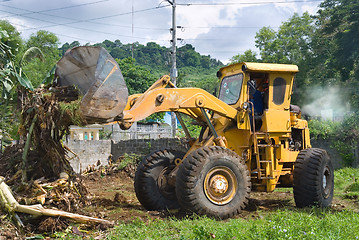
(99, 79)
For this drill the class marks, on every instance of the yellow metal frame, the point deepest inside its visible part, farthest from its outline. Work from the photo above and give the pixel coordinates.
(267, 152)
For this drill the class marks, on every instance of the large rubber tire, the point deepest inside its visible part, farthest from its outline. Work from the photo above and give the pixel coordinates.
(151, 186)
(313, 178)
(213, 181)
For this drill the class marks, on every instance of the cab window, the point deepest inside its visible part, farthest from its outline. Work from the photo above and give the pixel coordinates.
(279, 87)
(231, 88)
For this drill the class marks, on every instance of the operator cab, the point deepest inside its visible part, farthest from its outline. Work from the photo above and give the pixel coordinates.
(264, 87)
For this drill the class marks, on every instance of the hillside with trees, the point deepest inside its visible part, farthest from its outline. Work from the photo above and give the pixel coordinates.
(194, 69)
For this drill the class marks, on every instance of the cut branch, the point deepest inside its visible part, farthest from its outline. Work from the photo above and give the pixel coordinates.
(11, 205)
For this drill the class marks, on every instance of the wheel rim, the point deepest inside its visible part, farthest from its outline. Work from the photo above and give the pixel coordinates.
(327, 183)
(167, 190)
(220, 185)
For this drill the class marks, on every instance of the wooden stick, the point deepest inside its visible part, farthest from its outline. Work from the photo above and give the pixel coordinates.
(12, 205)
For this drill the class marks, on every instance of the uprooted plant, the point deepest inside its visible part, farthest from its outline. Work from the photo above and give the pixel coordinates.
(38, 167)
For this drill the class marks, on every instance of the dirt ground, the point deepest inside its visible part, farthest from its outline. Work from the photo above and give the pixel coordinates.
(113, 198)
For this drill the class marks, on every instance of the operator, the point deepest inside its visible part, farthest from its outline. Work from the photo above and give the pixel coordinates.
(255, 96)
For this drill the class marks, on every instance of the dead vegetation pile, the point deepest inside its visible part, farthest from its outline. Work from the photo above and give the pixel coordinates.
(37, 169)
(45, 119)
(127, 163)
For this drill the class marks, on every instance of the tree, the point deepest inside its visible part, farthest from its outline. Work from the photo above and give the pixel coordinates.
(265, 41)
(187, 56)
(291, 44)
(10, 72)
(68, 46)
(48, 43)
(336, 47)
(138, 79)
(338, 22)
(248, 56)
(12, 38)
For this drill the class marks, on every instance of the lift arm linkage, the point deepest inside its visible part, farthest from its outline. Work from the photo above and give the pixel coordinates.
(158, 98)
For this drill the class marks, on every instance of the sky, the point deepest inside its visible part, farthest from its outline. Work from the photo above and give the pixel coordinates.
(219, 28)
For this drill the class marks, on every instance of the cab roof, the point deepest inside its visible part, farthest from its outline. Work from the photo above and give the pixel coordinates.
(262, 67)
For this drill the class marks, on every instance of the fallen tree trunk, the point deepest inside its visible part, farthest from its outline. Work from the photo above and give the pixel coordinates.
(11, 205)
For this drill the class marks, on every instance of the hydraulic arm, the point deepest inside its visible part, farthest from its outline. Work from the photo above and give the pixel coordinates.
(190, 101)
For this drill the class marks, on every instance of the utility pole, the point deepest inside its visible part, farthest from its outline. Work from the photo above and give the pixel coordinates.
(132, 29)
(174, 67)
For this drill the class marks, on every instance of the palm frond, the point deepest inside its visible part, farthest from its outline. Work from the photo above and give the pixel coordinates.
(31, 53)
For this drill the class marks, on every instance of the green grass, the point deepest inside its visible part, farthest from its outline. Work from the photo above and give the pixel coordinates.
(283, 224)
(346, 183)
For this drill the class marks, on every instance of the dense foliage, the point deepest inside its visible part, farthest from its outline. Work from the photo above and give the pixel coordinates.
(342, 136)
(37, 69)
(153, 56)
(324, 46)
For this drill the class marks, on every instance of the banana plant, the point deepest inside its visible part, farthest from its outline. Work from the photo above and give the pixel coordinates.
(11, 75)
(12, 78)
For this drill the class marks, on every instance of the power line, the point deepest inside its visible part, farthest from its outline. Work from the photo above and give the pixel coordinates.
(86, 40)
(111, 24)
(78, 21)
(79, 28)
(72, 19)
(236, 27)
(127, 13)
(51, 9)
(246, 3)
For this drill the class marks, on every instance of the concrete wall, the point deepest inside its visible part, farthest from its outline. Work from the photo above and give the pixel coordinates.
(90, 152)
(139, 131)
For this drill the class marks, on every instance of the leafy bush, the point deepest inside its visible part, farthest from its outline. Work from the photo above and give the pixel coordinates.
(191, 125)
(323, 129)
(128, 159)
(343, 136)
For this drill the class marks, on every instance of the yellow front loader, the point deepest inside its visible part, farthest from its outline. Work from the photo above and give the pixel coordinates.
(252, 139)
